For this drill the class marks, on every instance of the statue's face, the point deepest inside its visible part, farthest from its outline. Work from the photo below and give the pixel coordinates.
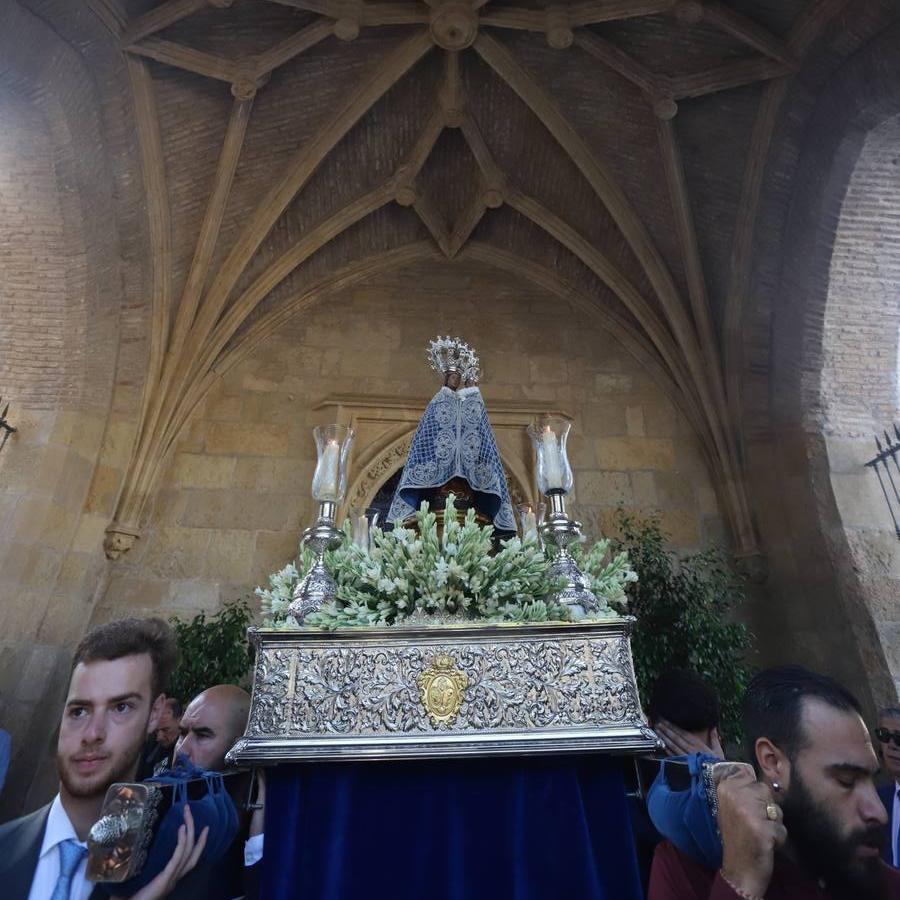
(452, 380)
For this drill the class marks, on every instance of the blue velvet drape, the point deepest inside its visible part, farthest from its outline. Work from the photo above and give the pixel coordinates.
(497, 829)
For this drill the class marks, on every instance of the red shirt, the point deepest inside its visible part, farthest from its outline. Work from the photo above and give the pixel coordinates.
(676, 877)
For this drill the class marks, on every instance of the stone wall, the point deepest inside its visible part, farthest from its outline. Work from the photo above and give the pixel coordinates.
(58, 351)
(860, 376)
(236, 496)
(798, 473)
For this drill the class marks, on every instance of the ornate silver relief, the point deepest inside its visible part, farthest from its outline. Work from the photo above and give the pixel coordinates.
(419, 692)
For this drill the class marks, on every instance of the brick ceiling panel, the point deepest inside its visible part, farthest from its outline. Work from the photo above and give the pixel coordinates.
(715, 134)
(193, 113)
(537, 164)
(249, 28)
(618, 124)
(383, 231)
(668, 46)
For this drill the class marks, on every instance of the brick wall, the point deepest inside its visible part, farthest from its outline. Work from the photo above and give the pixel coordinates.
(41, 329)
(815, 605)
(60, 287)
(860, 378)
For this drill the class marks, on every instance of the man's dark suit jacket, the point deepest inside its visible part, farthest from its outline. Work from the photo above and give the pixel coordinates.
(20, 847)
(886, 793)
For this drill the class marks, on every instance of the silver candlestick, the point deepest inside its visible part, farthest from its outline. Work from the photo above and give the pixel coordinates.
(329, 485)
(559, 532)
(549, 435)
(318, 586)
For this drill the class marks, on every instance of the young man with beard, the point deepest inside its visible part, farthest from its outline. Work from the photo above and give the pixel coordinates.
(812, 825)
(888, 734)
(114, 700)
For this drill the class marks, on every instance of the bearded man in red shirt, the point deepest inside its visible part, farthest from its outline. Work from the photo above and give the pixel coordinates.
(810, 824)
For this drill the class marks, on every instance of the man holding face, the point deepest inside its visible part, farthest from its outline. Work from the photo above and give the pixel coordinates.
(810, 824)
(114, 700)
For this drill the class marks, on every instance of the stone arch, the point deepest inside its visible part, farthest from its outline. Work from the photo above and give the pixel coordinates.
(858, 386)
(785, 421)
(61, 390)
(636, 344)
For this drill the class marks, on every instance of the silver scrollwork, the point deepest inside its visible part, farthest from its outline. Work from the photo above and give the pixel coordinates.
(318, 694)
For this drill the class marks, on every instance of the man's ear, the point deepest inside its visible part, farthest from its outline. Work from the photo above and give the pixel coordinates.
(156, 713)
(772, 763)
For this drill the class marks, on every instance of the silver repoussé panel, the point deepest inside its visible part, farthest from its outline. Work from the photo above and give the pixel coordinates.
(404, 692)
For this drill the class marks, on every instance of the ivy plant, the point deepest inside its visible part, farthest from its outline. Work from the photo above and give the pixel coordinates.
(212, 650)
(683, 607)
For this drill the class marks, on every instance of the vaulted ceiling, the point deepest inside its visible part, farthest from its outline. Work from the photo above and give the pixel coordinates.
(610, 150)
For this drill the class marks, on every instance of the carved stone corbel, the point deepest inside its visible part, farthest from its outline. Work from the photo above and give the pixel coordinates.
(119, 539)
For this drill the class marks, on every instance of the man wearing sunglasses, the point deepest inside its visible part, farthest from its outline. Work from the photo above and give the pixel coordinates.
(888, 735)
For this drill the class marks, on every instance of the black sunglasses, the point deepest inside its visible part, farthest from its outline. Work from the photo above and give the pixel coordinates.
(886, 736)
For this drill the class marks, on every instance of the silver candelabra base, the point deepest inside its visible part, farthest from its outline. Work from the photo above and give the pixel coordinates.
(318, 586)
(559, 531)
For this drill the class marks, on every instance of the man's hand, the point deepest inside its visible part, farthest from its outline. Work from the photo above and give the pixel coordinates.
(184, 858)
(749, 836)
(682, 743)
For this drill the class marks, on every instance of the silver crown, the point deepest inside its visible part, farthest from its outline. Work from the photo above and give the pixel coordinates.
(447, 354)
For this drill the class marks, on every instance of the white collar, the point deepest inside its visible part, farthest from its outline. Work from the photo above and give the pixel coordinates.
(59, 828)
(460, 392)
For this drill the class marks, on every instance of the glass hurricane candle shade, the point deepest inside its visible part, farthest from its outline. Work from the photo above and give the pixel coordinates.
(549, 435)
(333, 444)
(530, 520)
(362, 522)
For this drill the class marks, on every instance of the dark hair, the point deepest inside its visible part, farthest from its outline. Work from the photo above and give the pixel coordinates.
(127, 637)
(773, 705)
(683, 698)
(176, 706)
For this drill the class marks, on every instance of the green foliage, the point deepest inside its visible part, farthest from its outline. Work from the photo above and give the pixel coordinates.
(682, 608)
(609, 573)
(211, 650)
(419, 576)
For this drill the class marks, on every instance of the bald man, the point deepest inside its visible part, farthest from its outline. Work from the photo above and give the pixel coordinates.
(211, 725)
(209, 728)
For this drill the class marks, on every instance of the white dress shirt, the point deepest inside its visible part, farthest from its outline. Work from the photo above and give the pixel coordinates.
(46, 873)
(895, 825)
(253, 849)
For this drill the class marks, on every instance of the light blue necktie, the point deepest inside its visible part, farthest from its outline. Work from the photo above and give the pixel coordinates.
(70, 855)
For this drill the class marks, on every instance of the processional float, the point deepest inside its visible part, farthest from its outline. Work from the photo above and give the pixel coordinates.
(436, 705)
(461, 677)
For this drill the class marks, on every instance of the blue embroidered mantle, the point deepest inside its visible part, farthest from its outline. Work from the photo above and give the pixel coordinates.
(454, 439)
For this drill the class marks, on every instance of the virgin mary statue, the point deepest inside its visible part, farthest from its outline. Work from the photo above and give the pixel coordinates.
(453, 449)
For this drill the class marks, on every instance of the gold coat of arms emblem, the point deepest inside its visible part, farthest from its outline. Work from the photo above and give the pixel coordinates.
(443, 689)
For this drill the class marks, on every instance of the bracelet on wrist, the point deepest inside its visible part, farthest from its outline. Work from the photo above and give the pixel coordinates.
(741, 893)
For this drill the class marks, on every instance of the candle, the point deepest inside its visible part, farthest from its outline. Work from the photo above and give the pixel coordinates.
(328, 467)
(361, 532)
(529, 524)
(552, 465)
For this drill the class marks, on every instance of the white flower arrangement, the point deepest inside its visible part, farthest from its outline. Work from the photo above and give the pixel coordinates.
(421, 578)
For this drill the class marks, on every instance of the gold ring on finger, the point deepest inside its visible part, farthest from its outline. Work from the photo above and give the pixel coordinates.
(771, 812)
